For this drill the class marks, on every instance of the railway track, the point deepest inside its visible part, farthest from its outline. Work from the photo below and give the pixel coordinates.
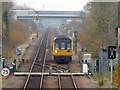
(48, 74)
(60, 82)
(63, 81)
(36, 81)
(40, 65)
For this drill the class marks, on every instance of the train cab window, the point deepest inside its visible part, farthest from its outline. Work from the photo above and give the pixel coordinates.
(62, 45)
(57, 46)
(68, 46)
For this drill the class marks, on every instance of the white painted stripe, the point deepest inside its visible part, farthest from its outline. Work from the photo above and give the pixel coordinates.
(47, 74)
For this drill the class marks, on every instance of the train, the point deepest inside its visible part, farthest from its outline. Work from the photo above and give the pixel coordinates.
(62, 49)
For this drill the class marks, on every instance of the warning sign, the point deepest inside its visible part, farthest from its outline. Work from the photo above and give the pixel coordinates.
(5, 72)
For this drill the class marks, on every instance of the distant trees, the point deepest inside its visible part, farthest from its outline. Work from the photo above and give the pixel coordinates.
(6, 15)
(5, 23)
(24, 7)
(14, 32)
(99, 26)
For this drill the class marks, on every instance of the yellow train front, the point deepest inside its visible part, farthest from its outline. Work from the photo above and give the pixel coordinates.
(62, 49)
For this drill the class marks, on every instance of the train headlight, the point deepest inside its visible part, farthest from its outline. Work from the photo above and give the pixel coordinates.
(55, 51)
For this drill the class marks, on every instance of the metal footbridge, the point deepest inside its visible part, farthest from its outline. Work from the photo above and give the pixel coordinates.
(30, 14)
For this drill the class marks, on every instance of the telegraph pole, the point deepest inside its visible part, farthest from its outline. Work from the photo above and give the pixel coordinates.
(76, 36)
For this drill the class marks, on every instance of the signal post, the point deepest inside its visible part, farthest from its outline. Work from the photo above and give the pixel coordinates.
(111, 56)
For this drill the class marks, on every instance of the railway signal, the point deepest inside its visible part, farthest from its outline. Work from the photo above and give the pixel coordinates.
(111, 55)
(111, 52)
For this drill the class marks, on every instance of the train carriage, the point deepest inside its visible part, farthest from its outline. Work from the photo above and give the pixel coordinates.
(62, 49)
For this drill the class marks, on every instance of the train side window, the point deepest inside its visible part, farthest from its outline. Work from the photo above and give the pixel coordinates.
(68, 46)
(62, 45)
(57, 46)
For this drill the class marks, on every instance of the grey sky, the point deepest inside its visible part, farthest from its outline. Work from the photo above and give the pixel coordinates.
(63, 5)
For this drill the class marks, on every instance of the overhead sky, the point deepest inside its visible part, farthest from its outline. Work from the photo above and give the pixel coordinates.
(57, 5)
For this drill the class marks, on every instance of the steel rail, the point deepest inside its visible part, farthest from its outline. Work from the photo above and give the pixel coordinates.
(59, 82)
(57, 66)
(72, 77)
(43, 68)
(28, 78)
(53, 67)
(74, 83)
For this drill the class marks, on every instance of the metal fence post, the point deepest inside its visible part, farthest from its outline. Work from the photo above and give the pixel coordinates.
(111, 73)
